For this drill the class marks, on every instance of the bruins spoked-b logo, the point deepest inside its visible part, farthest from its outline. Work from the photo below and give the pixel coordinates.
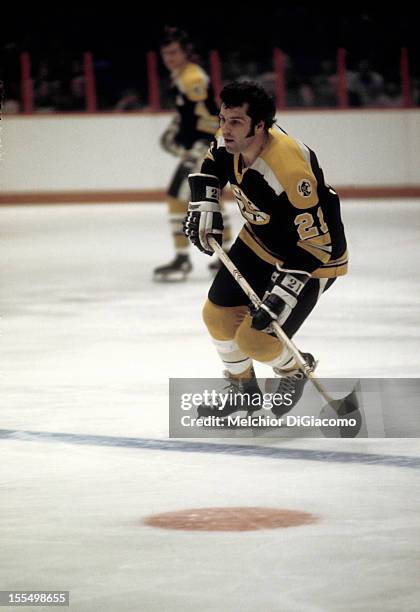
(248, 209)
(304, 188)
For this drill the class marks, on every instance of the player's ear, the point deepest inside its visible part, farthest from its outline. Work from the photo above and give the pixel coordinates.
(260, 126)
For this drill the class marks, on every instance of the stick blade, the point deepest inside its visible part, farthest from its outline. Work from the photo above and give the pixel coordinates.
(348, 408)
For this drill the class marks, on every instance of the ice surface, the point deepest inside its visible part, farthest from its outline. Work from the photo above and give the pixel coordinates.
(88, 344)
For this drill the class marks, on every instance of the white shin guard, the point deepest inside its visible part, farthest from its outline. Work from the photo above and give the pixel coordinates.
(284, 361)
(233, 359)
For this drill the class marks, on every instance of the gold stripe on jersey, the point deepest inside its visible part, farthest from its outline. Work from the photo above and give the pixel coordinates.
(285, 158)
(315, 251)
(319, 247)
(322, 242)
(336, 267)
(193, 82)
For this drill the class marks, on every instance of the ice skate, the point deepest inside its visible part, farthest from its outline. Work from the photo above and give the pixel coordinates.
(292, 383)
(243, 394)
(175, 271)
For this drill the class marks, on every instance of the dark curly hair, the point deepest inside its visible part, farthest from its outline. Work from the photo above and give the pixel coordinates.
(173, 34)
(261, 106)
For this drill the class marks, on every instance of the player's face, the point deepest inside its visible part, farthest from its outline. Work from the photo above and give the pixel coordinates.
(173, 56)
(236, 128)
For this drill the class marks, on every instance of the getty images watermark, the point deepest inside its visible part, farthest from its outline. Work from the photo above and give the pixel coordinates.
(209, 408)
(219, 402)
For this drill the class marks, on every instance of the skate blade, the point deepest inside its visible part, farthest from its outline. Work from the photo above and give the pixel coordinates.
(170, 278)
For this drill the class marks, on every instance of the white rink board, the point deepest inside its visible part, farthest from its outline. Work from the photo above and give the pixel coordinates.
(122, 152)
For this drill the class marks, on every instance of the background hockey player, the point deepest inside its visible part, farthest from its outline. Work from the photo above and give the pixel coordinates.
(290, 249)
(187, 137)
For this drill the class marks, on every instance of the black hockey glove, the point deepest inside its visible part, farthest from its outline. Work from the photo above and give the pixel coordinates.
(204, 218)
(280, 298)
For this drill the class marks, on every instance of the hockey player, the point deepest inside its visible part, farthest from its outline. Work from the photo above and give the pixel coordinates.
(290, 249)
(187, 137)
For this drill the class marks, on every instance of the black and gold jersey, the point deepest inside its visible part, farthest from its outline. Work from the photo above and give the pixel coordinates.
(292, 217)
(197, 109)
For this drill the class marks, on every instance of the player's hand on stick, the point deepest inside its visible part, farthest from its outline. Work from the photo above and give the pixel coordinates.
(280, 298)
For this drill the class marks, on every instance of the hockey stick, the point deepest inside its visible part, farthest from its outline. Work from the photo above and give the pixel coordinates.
(342, 406)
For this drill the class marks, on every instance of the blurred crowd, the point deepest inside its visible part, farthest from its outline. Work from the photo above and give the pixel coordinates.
(314, 83)
(308, 35)
(58, 83)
